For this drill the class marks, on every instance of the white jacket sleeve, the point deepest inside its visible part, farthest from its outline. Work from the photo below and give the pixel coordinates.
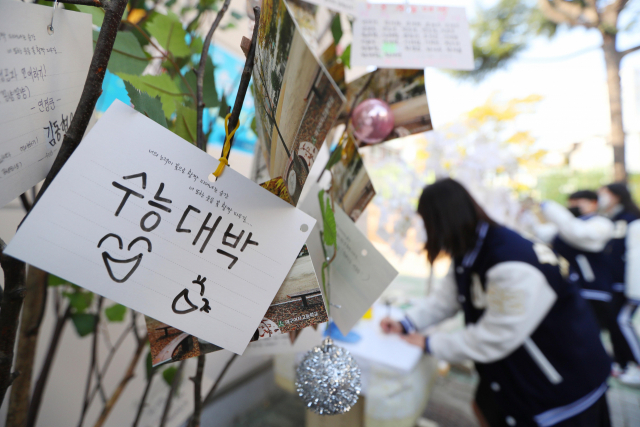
(441, 304)
(546, 232)
(518, 299)
(591, 235)
(632, 273)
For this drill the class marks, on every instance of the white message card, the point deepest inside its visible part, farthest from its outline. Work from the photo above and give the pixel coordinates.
(358, 275)
(41, 80)
(411, 36)
(342, 6)
(133, 216)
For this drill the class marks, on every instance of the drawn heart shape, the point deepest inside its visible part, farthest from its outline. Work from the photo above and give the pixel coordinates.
(108, 259)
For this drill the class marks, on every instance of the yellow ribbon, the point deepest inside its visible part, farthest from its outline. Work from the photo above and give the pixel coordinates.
(227, 146)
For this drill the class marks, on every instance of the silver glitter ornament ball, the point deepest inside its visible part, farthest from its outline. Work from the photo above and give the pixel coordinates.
(328, 379)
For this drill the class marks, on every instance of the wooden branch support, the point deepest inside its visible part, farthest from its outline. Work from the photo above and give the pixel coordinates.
(246, 76)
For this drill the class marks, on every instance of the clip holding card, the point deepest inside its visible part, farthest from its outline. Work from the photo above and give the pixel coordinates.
(50, 26)
(224, 158)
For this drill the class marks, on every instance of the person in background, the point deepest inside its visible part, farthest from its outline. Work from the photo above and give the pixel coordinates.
(623, 251)
(579, 235)
(532, 337)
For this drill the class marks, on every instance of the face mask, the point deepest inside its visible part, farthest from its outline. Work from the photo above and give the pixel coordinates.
(604, 201)
(575, 210)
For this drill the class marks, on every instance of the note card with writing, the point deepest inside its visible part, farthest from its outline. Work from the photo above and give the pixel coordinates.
(359, 273)
(411, 36)
(342, 6)
(41, 80)
(133, 216)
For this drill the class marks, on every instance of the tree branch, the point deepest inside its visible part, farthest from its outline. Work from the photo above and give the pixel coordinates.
(34, 305)
(144, 397)
(26, 204)
(570, 13)
(224, 370)
(628, 51)
(41, 383)
(14, 276)
(200, 142)
(107, 362)
(197, 393)
(95, 3)
(172, 392)
(91, 91)
(129, 374)
(92, 363)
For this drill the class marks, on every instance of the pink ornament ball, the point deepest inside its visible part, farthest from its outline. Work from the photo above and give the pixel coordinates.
(372, 120)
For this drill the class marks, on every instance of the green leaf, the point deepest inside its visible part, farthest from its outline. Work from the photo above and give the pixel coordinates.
(97, 14)
(224, 108)
(185, 125)
(56, 281)
(335, 156)
(79, 299)
(329, 223)
(84, 323)
(236, 15)
(196, 45)
(149, 365)
(345, 58)
(336, 29)
(115, 313)
(168, 374)
(161, 86)
(210, 94)
(254, 125)
(167, 29)
(142, 102)
(321, 200)
(328, 220)
(127, 56)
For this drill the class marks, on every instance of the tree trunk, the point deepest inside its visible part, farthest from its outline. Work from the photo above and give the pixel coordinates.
(612, 60)
(34, 304)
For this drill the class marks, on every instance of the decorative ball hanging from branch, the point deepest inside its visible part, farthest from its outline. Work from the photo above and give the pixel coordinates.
(372, 121)
(328, 379)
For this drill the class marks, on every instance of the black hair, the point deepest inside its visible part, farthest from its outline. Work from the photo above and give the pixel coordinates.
(584, 194)
(450, 218)
(620, 189)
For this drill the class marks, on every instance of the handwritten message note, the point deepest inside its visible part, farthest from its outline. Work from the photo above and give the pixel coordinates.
(358, 275)
(41, 80)
(133, 217)
(342, 6)
(411, 36)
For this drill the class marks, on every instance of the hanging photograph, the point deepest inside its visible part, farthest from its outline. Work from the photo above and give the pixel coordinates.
(296, 100)
(405, 93)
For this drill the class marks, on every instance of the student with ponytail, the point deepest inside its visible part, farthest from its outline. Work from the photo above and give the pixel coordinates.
(533, 339)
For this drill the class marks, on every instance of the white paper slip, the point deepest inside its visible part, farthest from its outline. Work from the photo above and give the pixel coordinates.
(133, 216)
(342, 6)
(359, 273)
(411, 36)
(386, 349)
(41, 80)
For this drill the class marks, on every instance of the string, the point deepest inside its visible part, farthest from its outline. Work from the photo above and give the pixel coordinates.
(224, 158)
(50, 27)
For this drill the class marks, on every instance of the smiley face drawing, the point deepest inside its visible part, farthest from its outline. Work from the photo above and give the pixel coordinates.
(133, 261)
